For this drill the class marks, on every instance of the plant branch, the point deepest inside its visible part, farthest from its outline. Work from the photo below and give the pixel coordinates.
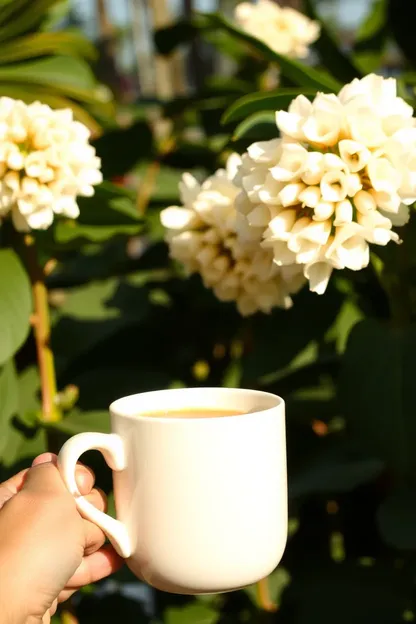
(148, 182)
(42, 332)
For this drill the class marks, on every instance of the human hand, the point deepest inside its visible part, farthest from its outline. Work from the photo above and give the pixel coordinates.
(47, 550)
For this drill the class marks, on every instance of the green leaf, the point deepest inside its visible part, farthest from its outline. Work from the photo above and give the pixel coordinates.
(396, 519)
(258, 126)
(15, 304)
(338, 63)
(9, 400)
(77, 422)
(17, 450)
(349, 315)
(377, 393)
(110, 212)
(259, 102)
(333, 470)
(90, 302)
(372, 37)
(169, 38)
(227, 45)
(300, 74)
(110, 205)
(54, 71)
(20, 17)
(323, 592)
(121, 149)
(56, 14)
(117, 306)
(108, 607)
(191, 614)
(274, 344)
(40, 44)
(166, 187)
(72, 234)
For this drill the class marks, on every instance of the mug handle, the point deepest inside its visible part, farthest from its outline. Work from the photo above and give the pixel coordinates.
(112, 447)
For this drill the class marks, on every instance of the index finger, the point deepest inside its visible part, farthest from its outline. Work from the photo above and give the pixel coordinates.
(10, 487)
(84, 476)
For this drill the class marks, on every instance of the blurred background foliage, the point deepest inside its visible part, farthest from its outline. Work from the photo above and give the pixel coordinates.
(165, 88)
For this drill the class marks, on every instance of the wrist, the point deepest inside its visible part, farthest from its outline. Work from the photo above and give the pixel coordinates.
(15, 597)
(10, 612)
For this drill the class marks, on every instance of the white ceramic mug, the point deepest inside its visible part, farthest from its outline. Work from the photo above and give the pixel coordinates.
(201, 502)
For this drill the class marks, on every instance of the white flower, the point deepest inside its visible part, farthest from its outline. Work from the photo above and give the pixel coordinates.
(340, 177)
(284, 30)
(210, 237)
(45, 163)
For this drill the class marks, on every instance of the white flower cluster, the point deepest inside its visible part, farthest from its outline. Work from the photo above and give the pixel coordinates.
(340, 177)
(284, 30)
(45, 163)
(202, 236)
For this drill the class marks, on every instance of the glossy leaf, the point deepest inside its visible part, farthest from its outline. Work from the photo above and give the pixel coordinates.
(191, 614)
(15, 304)
(110, 212)
(123, 148)
(299, 73)
(40, 44)
(257, 126)
(274, 345)
(90, 302)
(396, 519)
(77, 421)
(59, 71)
(378, 394)
(169, 38)
(23, 17)
(18, 447)
(259, 102)
(9, 400)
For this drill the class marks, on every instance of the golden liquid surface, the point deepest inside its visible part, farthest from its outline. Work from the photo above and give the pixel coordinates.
(193, 412)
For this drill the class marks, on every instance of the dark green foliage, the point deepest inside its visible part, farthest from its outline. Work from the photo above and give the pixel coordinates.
(345, 362)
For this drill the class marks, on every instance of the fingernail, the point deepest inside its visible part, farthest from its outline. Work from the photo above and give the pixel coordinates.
(45, 458)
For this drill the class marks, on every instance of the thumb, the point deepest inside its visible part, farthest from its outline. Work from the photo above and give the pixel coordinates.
(44, 479)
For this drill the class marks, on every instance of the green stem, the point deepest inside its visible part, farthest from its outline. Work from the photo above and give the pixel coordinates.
(41, 324)
(42, 333)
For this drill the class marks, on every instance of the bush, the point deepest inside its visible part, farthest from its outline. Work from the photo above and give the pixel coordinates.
(125, 317)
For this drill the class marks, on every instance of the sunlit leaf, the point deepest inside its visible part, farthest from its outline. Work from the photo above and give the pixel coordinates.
(259, 102)
(301, 74)
(15, 304)
(257, 126)
(9, 400)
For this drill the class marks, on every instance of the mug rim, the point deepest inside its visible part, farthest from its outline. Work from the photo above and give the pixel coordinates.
(116, 406)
